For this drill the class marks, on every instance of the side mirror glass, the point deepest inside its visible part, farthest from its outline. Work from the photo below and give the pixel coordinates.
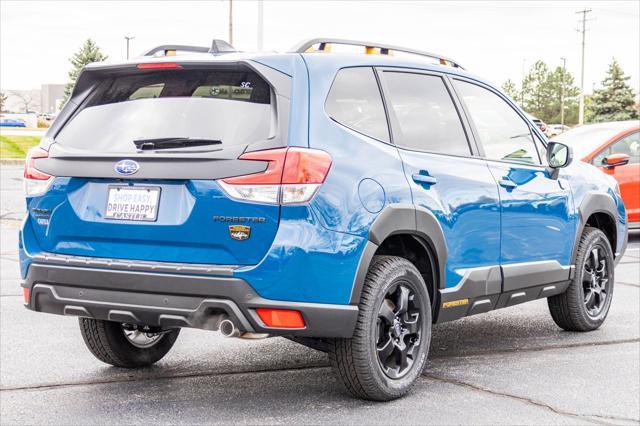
(558, 155)
(615, 160)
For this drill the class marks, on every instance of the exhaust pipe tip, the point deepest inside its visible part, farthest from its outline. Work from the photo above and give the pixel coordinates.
(228, 328)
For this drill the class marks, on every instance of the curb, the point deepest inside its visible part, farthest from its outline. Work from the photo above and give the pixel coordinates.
(11, 161)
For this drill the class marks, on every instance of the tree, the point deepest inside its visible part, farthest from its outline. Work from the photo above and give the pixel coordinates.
(511, 90)
(27, 99)
(615, 100)
(542, 95)
(3, 99)
(555, 80)
(536, 91)
(89, 52)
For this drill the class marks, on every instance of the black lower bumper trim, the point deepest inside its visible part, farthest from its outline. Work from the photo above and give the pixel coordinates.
(172, 300)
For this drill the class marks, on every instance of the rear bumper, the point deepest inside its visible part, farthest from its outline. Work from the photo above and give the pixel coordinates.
(171, 300)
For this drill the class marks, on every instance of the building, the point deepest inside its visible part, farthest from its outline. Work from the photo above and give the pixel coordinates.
(50, 97)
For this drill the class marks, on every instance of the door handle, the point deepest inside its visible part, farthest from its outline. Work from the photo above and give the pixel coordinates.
(424, 179)
(507, 183)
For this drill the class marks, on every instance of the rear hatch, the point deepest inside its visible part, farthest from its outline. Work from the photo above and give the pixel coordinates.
(137, 162)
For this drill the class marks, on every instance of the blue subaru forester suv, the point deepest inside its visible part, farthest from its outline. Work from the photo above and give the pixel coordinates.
(346, 201)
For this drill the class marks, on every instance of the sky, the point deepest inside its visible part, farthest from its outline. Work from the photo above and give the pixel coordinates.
(495, 40)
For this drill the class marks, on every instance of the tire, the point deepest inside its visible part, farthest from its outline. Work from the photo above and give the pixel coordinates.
(571, 310)
(356, 360)
(107, 341)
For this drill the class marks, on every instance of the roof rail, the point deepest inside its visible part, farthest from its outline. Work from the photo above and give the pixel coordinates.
(370, 47)
(218, 47)
(170, 49)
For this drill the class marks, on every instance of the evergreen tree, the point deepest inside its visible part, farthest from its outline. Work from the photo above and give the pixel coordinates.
(3, 99)
(536, 91)
(615, 100)
(555, 80)
(511, 90)
(541, 94)
(89, 52)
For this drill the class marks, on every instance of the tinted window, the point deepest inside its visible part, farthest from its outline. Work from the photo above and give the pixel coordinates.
(502, 132)
(217, 84)
(355, 101)
(629, 145)
(230, 106)
(426, 114)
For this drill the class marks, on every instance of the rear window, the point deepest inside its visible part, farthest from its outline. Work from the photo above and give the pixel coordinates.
(244, 86)
(231, 107)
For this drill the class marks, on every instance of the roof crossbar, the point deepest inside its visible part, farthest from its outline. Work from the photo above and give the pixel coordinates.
(218, 47)
(324, 45)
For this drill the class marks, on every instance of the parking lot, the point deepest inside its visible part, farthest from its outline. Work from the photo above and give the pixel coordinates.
(513, 366)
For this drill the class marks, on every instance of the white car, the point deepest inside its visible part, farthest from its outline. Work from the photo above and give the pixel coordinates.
(556, 129)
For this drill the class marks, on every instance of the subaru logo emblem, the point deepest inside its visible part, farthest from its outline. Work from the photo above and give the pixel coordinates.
(126, 167)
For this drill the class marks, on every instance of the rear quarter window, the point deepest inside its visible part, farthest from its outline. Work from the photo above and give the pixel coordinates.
(355, 102)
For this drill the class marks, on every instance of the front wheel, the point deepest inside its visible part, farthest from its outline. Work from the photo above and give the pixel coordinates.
(126, 345)
(389, 347)
(585, 304)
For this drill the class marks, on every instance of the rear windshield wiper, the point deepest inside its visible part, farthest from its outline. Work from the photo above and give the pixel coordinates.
(170, 143)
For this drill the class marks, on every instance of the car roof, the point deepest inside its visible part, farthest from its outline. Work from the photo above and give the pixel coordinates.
(334, 60)
(588, 139)
(613, 125)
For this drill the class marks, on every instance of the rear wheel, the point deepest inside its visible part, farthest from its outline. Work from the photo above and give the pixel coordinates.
(388, 350)
(126, 345)
(585, 304)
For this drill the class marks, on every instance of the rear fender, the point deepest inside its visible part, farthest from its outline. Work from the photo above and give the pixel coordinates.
(398, 219)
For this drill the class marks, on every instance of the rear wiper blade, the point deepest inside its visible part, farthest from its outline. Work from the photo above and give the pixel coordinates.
(169, 143)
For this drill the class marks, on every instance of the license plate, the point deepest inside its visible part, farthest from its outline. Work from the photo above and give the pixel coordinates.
(133, 203)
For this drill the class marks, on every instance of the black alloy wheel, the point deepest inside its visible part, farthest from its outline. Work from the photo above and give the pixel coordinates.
(399, 331)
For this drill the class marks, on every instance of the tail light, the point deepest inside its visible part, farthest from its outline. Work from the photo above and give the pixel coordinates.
(293, 176)
(35, 181)
(158, 66)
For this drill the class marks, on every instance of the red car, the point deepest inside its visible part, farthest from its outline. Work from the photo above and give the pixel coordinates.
(615, 148)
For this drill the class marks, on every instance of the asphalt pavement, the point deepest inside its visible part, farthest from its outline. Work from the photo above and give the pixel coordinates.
(512, 366)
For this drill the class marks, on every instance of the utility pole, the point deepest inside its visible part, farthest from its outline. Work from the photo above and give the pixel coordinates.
(564, 71)
(231, 22)
(583, 31)
(128, 38)
(260, 24)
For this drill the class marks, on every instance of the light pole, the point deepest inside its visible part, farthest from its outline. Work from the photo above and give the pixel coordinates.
(522, 85)
(231, 22)
(260, 25)
(564, 71)
(583, 31)
(128, 38)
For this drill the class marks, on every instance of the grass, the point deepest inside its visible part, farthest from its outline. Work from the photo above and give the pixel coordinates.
(16, 146)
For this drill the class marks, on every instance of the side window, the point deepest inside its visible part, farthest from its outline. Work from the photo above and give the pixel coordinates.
(629, 145)
(355, 102)
(426, 115)
(503, 133)
(597, 160)
(542, 149)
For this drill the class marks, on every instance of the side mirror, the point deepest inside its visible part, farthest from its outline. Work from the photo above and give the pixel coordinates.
(615, 160)
(558, 156)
